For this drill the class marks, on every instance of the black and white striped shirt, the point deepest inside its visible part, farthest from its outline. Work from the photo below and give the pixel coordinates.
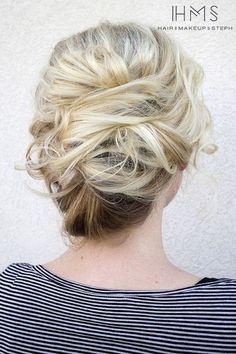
(42, 312)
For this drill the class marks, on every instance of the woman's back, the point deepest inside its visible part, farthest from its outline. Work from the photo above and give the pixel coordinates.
(44, 313)
(118, 118)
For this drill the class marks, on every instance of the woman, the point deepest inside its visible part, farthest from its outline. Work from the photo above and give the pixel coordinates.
(118, 119)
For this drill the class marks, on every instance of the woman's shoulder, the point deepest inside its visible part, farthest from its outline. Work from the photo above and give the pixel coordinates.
(22, 273)
(9, 274)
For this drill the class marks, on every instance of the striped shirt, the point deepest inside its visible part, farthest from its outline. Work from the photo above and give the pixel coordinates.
(42, 312)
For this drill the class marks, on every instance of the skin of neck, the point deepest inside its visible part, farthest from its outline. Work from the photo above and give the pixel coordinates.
(140, 256)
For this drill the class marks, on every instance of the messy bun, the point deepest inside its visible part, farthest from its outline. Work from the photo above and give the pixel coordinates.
(118, 113)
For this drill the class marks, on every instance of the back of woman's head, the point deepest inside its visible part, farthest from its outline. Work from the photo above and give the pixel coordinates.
(118, 114)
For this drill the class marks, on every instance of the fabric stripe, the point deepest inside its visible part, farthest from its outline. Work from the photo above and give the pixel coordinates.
(42, 312)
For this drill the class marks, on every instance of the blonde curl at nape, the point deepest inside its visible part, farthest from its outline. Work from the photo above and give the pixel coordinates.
(118, 113)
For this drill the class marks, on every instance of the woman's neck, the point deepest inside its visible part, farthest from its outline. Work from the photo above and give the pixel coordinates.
(138, 262)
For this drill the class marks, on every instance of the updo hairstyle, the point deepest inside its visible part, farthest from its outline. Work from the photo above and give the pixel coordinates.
(118, 113)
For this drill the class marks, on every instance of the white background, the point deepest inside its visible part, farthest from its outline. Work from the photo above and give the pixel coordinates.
(199, 225)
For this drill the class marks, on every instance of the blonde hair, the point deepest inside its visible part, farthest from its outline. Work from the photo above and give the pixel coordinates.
(118, 113)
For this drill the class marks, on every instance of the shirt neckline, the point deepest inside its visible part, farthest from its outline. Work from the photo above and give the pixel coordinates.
(100, 290)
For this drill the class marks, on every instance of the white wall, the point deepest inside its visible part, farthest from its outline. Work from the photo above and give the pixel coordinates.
(199, 225)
